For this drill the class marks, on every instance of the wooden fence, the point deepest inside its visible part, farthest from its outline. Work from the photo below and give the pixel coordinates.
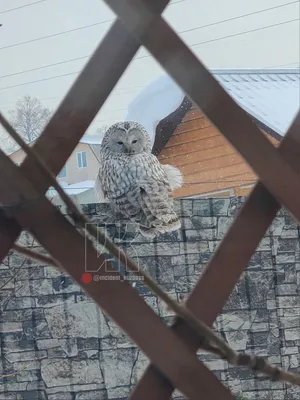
(172, 351)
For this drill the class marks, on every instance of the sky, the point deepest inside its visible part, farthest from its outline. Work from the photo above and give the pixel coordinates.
(273, 43)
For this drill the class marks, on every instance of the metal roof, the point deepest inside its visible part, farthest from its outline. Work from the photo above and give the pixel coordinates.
(272, 96)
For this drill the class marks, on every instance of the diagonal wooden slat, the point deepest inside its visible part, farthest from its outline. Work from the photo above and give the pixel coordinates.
(227, 263)
(198, 83)
(79, 107)
(118, 299)
(258, 213)
(9, 229)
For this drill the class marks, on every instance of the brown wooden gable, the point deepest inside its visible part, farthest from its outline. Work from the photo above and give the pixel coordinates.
(210, 165)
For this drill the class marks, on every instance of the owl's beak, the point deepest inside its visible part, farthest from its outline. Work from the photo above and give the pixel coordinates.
(127, 149)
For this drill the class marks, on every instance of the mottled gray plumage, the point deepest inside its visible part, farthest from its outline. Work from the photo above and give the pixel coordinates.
(134, 182)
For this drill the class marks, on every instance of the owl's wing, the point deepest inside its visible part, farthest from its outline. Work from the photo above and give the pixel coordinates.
(156, 202)
(99, 192)
(174, 176)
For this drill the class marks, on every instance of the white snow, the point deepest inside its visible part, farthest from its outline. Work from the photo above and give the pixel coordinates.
(72, 189)
(91, 139)
(154, 103)
(271, 96)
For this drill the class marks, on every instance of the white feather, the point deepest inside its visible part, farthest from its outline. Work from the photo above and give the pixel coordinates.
(174, 176)
(99, 192)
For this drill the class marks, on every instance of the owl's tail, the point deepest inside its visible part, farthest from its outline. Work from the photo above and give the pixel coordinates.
(175, 177)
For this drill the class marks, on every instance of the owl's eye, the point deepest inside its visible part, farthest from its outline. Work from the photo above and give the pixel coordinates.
(120, 143)
(134, 141)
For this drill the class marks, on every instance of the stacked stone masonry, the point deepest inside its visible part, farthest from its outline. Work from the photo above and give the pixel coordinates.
(57, 345)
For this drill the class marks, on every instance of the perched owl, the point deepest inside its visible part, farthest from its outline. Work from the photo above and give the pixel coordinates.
(134, 182)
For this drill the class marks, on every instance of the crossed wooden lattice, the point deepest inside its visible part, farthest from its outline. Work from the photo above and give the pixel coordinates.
(172, 351)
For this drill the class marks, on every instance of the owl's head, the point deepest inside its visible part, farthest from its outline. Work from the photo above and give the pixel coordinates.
(128, 138)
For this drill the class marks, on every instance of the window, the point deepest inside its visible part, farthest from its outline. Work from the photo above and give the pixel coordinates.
(81, 159)
(63, 173)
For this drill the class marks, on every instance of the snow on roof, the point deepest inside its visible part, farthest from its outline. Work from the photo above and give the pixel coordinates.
(271, 96)
(154, 103)
(73, 189)
(91, 139)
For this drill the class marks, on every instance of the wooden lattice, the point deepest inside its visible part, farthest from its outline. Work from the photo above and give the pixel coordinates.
(172, 351)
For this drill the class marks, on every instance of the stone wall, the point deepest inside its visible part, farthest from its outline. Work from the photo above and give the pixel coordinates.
(57, 345)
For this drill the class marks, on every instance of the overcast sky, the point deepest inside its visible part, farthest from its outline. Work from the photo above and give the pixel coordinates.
(276, 46)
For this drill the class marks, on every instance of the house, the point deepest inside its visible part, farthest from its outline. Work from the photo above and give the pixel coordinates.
(78, 174)
(184, 137)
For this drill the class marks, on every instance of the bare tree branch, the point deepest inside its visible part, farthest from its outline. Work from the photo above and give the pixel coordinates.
(29, 117)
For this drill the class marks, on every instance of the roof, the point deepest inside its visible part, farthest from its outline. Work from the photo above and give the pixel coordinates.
(154, 103)
(91, 139)
(73, 189)
(96, 150)
(271, 96)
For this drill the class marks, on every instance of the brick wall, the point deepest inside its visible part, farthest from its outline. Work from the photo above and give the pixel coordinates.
(57, 345)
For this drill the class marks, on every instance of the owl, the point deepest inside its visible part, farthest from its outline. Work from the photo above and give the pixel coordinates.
(134, 182)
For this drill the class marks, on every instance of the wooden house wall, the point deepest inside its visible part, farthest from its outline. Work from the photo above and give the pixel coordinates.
(210, 165)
